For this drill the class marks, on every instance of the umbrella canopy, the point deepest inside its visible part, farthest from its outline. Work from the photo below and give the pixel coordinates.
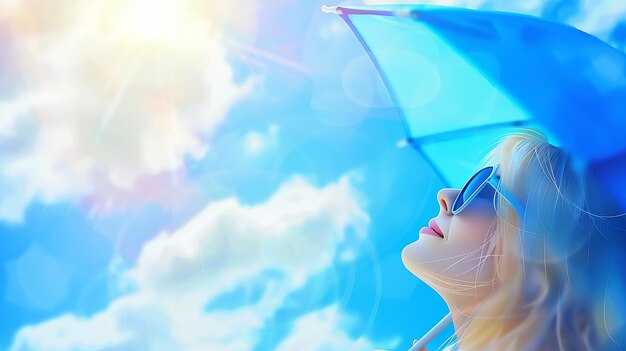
(460, 78)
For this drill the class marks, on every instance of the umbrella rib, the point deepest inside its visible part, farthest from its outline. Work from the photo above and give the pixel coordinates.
(382, 74)
(418, 142)
(458, 133)
(351, 11)
(393, 96)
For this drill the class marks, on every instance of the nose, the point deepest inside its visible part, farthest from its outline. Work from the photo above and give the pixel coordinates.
(446, 197)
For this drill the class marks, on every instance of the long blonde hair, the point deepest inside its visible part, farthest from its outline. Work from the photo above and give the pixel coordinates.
(544, 296)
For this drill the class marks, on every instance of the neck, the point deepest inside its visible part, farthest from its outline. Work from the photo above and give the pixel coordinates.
(461, 309)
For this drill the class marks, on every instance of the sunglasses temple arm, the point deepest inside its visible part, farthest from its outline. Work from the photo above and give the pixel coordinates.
(508, 196)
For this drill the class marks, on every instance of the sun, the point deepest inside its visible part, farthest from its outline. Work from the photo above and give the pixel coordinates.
(153, 19)
(156, 21)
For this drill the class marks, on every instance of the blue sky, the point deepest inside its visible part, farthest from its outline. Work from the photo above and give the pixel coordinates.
(271, 215)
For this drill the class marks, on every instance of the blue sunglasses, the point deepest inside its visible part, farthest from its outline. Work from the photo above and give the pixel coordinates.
(477, 186)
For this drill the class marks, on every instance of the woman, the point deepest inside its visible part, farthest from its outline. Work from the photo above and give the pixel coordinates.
(525, 255)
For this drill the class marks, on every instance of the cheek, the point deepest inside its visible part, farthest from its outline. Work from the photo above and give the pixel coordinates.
(467, 233)
(470, 243)
(473, 227)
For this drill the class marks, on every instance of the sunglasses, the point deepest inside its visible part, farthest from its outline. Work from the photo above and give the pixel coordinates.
(484, 184)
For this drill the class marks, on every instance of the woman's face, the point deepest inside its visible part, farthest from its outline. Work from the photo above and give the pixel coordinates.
(463, 253)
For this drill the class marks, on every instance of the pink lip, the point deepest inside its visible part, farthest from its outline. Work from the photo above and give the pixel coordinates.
(429, 231)
(435, 227)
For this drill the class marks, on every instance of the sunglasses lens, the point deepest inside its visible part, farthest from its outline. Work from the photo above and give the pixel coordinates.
(471, 187)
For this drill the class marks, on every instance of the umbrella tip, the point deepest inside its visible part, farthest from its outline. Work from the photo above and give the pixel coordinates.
(331, 9)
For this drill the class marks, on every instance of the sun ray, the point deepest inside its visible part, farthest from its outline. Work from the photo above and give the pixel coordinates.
(235, 45)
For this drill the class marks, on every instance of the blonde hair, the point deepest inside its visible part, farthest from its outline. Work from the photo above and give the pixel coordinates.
(543, 298)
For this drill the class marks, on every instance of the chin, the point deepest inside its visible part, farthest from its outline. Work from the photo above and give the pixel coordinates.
(417, 259)
(409, 259)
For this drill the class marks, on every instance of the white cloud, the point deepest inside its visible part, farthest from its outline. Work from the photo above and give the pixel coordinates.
(107, 94)
(295, 234)
(321, 330)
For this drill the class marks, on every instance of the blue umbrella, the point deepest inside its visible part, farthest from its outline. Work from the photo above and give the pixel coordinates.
(460, 78)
